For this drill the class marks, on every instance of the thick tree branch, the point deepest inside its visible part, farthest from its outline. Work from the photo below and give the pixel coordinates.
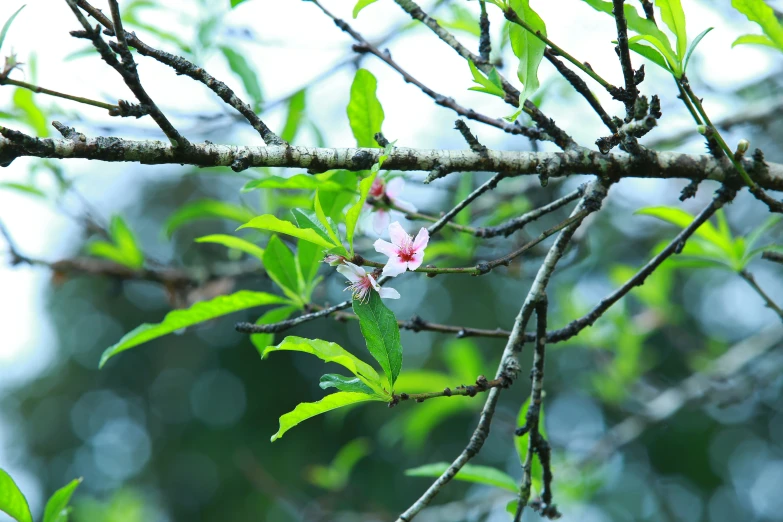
(661, 165)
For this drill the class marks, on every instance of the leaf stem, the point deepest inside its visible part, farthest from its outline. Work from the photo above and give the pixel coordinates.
(114, 110)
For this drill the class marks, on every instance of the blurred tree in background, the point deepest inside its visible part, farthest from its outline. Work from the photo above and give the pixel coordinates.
(665, 405)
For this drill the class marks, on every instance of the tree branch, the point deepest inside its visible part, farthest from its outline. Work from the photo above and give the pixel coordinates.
(661, 165)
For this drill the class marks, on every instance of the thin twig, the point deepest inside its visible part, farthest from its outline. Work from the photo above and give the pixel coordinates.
(186, 68)
(114, 110)
(512, 225)
(130, 76)
(775, 257)
(481, 385)
(364, 46)
(485, 45)
(630, 93)
(448, 216)
(747, 276)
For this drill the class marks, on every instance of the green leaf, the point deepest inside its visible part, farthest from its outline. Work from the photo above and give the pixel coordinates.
(57, 509)
(245, 72)
(273, 224)
(334, 353)
(275, 315)
(12, 500)
(296, 111)
(207, 209)
(307, 410)
(7, 25)
(297, 182)
(381, 333)
(486, 84)
(126, 242)
(308, 259)
(342, 383)
(335, 477)
(308, 220)
(674, 18)
(469, 473)
(759, 12)
(25, 189)
(693, 47)
(237, 243)
(352, 216)
(759, 231)
(319, 212)
(682, 219)
(280, 264)
(235, 3)
(754, 39)
(361, 4)
(365, 113)
(198, 313)
(462, 20)
(527, 47)
(636, 22)
(672, 61)
(651, 54)
(33, 115)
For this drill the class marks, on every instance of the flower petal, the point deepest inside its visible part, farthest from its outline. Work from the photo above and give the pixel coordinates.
(380, 220)
(422, 238)
(374, 283)
(385, 248)
(394, 187)
(389, 293)
(416, 260)
(397, 234)
(394, 267)
(403, 205)
(351, 272)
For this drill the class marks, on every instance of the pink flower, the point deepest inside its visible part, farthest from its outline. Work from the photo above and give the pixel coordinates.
(385, 194)
(405, 253)
(362, 283)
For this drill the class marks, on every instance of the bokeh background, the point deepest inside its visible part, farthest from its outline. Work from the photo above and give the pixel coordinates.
(179, 429)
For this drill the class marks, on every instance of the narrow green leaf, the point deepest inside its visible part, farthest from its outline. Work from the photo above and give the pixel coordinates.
(207, 209)
(308, 220)
(486, 85)
(237, 243)
(7, 25)
(275, 315)
(342, 383)
(307, 410)
(672, 61)
(108, 251)
(280, 264)
(365, 113)
(25, 189)
(126, 242)
(754, 39)
(273, 224)
(759, 12)
(682, 219)
(636, 22)
(297, 182)
(520, 443)
(361, 4)
(235, 3)
(198, 313)
(24, 100)
(469, 473)
(308, 259)
(246, 74)
(462, 20)
(674, 18)
(57, 509)
(759, 231)
(332, 352)
(381, 333)
(335, 477)
(693, 47)
(12, 500)
(352, 216)
(526, 47)
(319, 212)
(296, 111)
(651, 54)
